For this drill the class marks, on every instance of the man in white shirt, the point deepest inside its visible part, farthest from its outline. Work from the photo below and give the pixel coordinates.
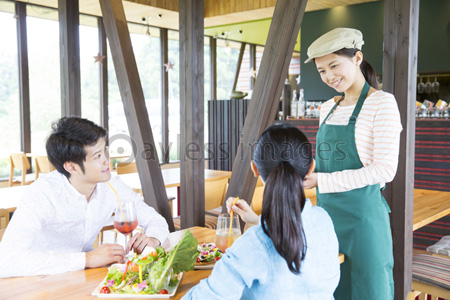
(56, 223)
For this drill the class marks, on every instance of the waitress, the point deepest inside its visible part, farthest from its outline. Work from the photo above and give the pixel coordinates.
(356, 154)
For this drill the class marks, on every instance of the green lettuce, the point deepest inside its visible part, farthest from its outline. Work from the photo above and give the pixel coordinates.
(115, 274)
(180, 259)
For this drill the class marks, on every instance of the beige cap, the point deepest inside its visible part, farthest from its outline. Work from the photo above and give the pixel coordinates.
(334, 40)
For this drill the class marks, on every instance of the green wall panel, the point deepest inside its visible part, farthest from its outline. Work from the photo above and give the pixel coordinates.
(254, 32)
(433, 49)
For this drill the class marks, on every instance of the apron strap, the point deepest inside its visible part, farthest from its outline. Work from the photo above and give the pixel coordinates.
(360, 102)
(332, 109)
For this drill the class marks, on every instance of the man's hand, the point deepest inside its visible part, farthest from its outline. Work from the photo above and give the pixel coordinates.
(139, 241)
(104, 255)
(310, 181)
(244, 210)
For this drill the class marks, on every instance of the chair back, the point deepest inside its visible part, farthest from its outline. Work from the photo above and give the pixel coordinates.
(257, 199)
(4, 218)
(215, 193)
(259, 182)
(43, 165)
(125, 168)
(18, 161)
(2, 232)
(170, 166)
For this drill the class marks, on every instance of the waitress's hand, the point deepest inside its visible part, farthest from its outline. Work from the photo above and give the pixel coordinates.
(243, 209)
(310, 181)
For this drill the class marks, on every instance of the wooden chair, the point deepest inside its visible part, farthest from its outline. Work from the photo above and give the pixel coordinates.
(126, 168)
(259, 182)
(20, 161)
(4, 220)
(257, 200)
(215, 193)
(2, 232)
(43, 165)
(170, 166)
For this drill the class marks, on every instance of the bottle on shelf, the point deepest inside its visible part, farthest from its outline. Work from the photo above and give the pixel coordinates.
(301, 105)
(294, 106)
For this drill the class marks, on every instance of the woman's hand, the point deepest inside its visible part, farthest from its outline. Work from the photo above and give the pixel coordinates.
(310, 181)
(139, 241)
(243, 209)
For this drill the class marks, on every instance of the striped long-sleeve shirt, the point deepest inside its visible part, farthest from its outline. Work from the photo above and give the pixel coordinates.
(377, 137)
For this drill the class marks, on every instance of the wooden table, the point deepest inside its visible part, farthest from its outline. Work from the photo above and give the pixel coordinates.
(80, 284)
(429, 206)
(10, 197)
(172, 177)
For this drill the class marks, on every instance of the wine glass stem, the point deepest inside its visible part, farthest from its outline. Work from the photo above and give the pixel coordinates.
(126, 244)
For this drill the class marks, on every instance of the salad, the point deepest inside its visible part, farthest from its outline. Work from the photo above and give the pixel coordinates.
(208, 253)
(152, 273)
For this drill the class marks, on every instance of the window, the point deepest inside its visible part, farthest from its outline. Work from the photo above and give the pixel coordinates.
(9, 89)
(147, 53)
(174, 96)
(227, 58)
(89, 70)
(44, 62)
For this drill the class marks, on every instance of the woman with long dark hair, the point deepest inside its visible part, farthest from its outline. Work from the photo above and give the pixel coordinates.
(292, 251)
(357, 148)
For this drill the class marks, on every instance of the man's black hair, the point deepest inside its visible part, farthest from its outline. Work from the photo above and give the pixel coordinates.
(67, 141)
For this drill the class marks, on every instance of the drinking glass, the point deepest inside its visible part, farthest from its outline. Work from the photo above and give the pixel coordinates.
(224, 236)
(421, 86)
(125, 219)
(435, 85)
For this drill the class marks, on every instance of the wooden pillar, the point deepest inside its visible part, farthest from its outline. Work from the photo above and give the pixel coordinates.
(24, 80)
(401, 19)
(281, 39)
(192, 193)
(134, 106)
(238, 66)
(103, 67)
(70, 57)
(213, 67)
(165, 93)
(252, 64)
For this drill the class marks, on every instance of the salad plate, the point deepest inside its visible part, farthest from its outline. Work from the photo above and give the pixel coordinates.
(171, 291)
(153, 275)
(208, 255)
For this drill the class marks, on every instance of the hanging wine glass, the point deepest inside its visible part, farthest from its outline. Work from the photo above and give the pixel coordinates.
(420, 86)
(435, 85)
(428, 88)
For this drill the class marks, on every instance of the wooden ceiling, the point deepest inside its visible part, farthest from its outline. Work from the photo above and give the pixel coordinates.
(164, 13)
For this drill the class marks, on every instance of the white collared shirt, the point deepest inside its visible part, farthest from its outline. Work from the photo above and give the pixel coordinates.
(54, 225)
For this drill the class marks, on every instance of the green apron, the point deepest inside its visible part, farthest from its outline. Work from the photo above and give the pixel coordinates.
(360, 216)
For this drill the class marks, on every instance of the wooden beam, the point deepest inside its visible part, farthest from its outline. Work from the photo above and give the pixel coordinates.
(103, 68)
(252, 64)
(24, 79)
(165, 93)
(401, 19)
(224, 7)
(213, 67)
(238, 66)
(281, 39)
(69, 24)
(134, 106)
(192, 192)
